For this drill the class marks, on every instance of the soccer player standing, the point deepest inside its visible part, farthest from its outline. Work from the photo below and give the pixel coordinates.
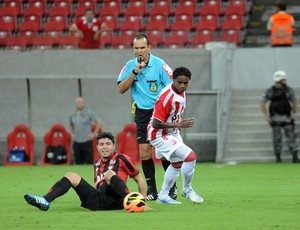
(146, 75)
(163, 133)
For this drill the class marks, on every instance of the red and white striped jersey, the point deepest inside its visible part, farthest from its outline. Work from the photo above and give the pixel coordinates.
(169, 107)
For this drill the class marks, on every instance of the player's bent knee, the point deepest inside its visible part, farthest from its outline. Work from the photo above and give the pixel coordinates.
(74, 178)
(108, 175)
(191, 157)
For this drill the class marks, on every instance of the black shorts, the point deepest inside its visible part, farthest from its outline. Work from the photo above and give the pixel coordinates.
(103, 198)
(142, 118)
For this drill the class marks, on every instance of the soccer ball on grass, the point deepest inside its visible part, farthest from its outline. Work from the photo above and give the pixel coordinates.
(134, 202)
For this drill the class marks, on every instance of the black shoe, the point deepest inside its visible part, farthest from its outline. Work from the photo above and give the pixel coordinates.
(151, 195)
(296, 160)
(173, 192)
(278, 159)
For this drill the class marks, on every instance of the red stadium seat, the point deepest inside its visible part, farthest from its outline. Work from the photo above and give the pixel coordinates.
(136, 8)
(60, 9)
(110, 21)
(123, 41)
(8, 23)
(29, 29)
(237, 7)
(57, 136)
(186, 8)
(178, 39)
(182, 22)
(68, 42)
(208, 22)
(160, 8)
(156, 37)
(201, 38)
(37, 8)
(110, 8)
(16, 43)
(9, 11)
(157, 22)
(212, 7)
(105, 39)
(231, 36)
(127, 143)
(131, 23)
(42, 43)
(4, 35)
(232, 22)
(21, 136)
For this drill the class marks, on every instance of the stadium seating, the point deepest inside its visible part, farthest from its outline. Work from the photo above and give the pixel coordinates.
(112, 8)
(20, 137)
(232, 36)
(207, 22)
(56, 136)
(156, 37)
(43, 43)
(132, 23)
(232, 22)
(238, 7)
(110, 21)
(135, 8)
(165, 16)
(127, 143)
(157, 22)
(16, 43)
(160, 8)
(13, 10)
(29, 29)
(185, 8)
(123, 41)
(62, 9)
(68, 42)
(212, 7)
(177, 39)
(182, 22)
(201, 38)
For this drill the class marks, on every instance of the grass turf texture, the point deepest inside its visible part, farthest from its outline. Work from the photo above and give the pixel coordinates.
(242, 196)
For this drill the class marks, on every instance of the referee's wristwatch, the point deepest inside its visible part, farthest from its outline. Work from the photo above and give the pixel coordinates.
(135, 73)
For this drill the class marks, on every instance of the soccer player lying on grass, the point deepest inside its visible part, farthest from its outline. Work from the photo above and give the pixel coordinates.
(163, 133)
(110, 175)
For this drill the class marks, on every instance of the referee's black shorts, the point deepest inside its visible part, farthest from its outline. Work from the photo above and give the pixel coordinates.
(142, 118)
(105, 198)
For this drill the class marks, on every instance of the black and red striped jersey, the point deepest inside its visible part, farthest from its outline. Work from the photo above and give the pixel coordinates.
(121, 164)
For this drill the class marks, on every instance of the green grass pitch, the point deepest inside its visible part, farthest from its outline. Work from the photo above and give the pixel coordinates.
(241, 196)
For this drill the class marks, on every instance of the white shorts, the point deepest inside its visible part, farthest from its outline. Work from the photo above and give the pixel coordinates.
(171, 147)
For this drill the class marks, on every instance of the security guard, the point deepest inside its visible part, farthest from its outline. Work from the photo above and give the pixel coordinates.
(281, 25)
(282, 113)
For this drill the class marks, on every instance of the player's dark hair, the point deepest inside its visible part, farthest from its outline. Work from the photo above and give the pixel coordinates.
(106, 135)
(281, 6)
(141, 35)
(182, 71)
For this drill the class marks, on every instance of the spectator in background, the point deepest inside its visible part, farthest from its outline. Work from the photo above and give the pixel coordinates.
(281, 25)
(81, 122)
(88, 29)
(282, 114)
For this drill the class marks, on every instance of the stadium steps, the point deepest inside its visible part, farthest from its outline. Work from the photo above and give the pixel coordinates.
(249, 137)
